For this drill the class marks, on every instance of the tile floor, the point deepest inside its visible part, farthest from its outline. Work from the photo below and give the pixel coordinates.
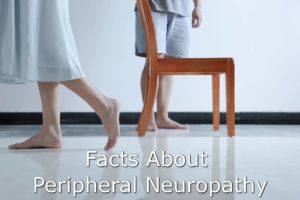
(260, 153)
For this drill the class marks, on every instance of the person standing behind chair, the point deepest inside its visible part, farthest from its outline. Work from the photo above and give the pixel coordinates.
(172, 25)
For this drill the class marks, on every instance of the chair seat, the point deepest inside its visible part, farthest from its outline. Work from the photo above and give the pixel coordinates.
(192, 66)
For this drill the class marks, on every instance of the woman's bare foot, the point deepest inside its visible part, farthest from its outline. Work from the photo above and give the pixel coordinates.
(111, 123)
(44, 139)
(167, 123)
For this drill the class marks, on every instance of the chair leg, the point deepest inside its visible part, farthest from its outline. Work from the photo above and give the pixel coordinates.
(230, 98)
(148, 105)
(216, 101)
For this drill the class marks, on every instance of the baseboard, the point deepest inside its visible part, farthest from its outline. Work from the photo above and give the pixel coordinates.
(132, 118)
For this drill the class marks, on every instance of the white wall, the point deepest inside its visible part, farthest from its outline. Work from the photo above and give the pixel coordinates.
(262, 35)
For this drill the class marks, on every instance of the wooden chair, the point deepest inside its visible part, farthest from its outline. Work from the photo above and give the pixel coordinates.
(184, 66)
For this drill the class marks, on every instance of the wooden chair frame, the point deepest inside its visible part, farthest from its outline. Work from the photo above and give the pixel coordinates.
(184, 66)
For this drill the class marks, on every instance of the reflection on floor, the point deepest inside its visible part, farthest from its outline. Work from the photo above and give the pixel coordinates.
(260, 153)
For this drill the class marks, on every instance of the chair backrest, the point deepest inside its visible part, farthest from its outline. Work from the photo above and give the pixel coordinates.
(149, 31)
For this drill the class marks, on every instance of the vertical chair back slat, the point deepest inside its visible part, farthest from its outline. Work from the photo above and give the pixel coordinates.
(149, 31)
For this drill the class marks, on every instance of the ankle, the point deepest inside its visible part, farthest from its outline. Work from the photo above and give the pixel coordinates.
(53, 129)
(162, 116)
(104, 106)
(108, 109)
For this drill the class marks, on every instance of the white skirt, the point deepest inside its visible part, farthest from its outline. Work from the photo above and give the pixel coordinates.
(36, 42)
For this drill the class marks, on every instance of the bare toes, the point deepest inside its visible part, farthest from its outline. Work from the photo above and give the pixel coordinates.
(152, 129)
(182, 126)
(14, 146)
(19, 146)
(110, 144)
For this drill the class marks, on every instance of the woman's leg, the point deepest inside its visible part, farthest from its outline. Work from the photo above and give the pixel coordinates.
(107, 109)
(50, 134)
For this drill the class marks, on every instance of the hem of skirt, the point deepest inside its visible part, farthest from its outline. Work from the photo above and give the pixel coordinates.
(15, 79)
